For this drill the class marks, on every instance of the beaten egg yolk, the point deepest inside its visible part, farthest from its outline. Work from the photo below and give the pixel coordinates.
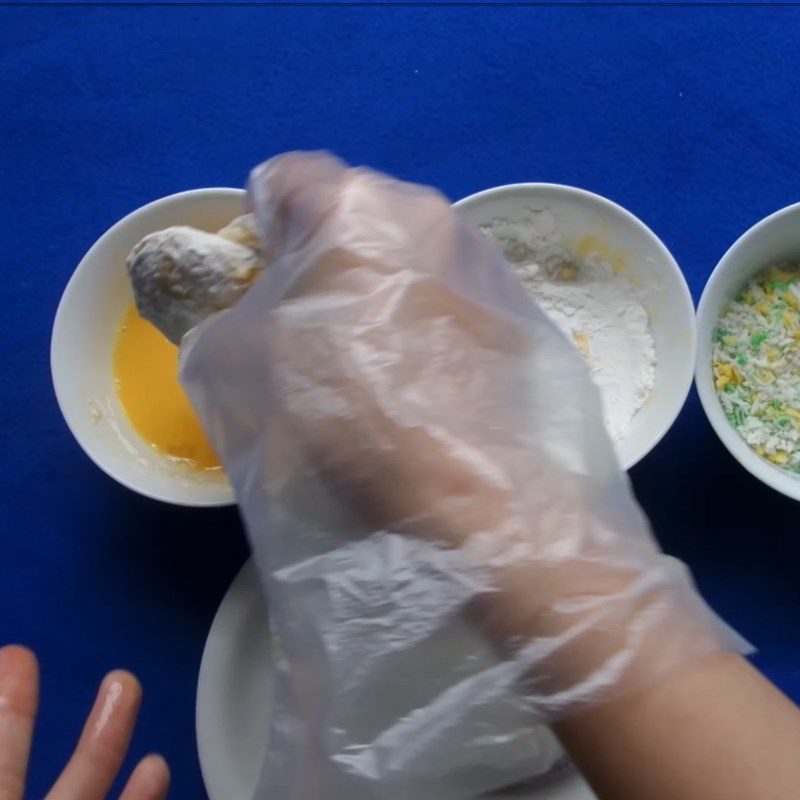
(146, 377)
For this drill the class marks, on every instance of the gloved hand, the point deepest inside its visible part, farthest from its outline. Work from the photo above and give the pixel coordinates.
(418, 452)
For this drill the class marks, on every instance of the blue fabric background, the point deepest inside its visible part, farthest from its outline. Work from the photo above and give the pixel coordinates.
(686, 116)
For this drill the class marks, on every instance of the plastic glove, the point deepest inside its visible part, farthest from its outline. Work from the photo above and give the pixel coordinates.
(419, 455)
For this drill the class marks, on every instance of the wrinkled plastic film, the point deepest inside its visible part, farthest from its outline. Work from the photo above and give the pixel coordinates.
(450, 552)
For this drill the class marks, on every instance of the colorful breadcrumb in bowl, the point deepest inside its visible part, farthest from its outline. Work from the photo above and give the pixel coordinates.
(757, 365)
(748, 359)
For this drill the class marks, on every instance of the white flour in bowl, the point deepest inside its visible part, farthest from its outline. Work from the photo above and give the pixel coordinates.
(597, 308)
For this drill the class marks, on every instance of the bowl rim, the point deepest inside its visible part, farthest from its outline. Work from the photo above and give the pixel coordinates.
(688, 371)
(772, 476)
(58, 321)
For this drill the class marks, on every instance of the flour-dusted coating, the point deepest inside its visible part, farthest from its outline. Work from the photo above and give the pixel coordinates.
(242, 230)
(182, 275)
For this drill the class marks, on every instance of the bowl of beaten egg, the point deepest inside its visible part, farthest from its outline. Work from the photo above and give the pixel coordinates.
(116, 377)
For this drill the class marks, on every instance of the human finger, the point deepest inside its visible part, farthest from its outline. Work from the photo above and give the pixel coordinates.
(19, 697)
(148, 781)
(104, 741)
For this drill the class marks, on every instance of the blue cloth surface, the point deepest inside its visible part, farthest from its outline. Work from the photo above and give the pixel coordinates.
(685, 116)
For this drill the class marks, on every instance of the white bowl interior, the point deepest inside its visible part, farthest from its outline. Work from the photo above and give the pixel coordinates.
(81, 352)
(651, 268)
(775, 238)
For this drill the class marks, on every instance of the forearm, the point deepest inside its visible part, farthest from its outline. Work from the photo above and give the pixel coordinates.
(715, 731)
(596, 619)
(681, 719)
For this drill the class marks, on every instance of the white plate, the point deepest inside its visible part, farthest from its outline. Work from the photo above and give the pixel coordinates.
(234, 698)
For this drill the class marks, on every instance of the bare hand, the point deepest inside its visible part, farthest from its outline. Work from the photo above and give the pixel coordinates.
(101, 748)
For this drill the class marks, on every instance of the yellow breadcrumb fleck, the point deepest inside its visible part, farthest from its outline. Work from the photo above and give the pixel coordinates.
(568, 272)
(781, 275)
(581, 342)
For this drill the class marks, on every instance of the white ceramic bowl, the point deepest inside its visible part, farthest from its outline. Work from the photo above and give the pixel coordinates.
(86, 322)
(773, 239)
(647, 261)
